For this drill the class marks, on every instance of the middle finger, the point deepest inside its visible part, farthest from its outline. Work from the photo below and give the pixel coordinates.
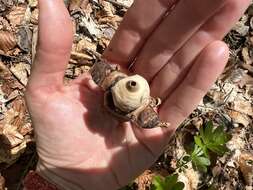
(172, 33)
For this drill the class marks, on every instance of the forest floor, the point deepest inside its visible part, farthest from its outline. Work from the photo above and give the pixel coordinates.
(228, 103)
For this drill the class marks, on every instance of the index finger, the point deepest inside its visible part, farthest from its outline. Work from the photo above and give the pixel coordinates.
(139, 22)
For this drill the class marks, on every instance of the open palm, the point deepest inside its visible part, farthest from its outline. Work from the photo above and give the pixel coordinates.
(80, 145)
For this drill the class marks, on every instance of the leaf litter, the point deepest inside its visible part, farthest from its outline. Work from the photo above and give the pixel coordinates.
(229, 102)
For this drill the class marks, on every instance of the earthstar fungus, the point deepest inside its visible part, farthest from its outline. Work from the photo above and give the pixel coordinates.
(127, 97)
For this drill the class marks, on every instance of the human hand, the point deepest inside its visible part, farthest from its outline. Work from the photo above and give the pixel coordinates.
(80, 145)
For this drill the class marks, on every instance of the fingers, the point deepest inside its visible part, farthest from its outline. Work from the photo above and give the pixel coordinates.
(208, 65)
(172, 33)
(54, 44)
(185, 98)
(140, 20)
(214, 29)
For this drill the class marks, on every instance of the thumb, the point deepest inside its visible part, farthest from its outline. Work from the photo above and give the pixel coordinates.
(54, 44)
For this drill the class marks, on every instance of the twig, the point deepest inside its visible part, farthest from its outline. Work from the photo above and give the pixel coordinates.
(117, 4)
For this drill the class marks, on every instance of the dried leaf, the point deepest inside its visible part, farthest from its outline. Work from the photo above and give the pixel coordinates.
(2, 183)
(24, 38)
(7, 81)
(90, 27)
(241, 26)
(4, 25)
(4, 72)
(7, 41)
(35, 16)
(78, 4)
(108, 9)
(5, 77)
(242, 106)
(108, 32)
(11, 137)
(245, 161)
(238, 140)
(10, 156)
(25, 129)
(144, 180)
(104, 42)
(10, 116)
(5, 4)
(85, 44)
(10, 133)
(19, 106)
(123, 3)
(251, 22)
(190, 178)
(34, 42)
(21, 72)
(239, 118)
(250, 10)
(249, 68)
(80, 57)
(249, 89)
(33, 3)
(16, 16)
(245, 54)
(14, 94)
(246, 80)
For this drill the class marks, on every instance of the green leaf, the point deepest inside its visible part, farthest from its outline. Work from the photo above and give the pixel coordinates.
(218, 149)
(168, 183)
(186, 158)
(204, 161)
(208, 131)
(179, 186)
(199, 160)
(198, 151)
(201, 163)
(157, 183)
(212, 139)
(171, 180)
(219, 135)
(209, 139)
(198, 141)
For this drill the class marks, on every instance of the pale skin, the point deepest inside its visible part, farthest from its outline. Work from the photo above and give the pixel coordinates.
(80, 145)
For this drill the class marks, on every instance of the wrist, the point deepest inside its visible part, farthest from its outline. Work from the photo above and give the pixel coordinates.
(53, 177)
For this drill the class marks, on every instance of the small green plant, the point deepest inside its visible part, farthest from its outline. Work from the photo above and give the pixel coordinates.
(199, 159)
(210, 139)
(168, 183)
